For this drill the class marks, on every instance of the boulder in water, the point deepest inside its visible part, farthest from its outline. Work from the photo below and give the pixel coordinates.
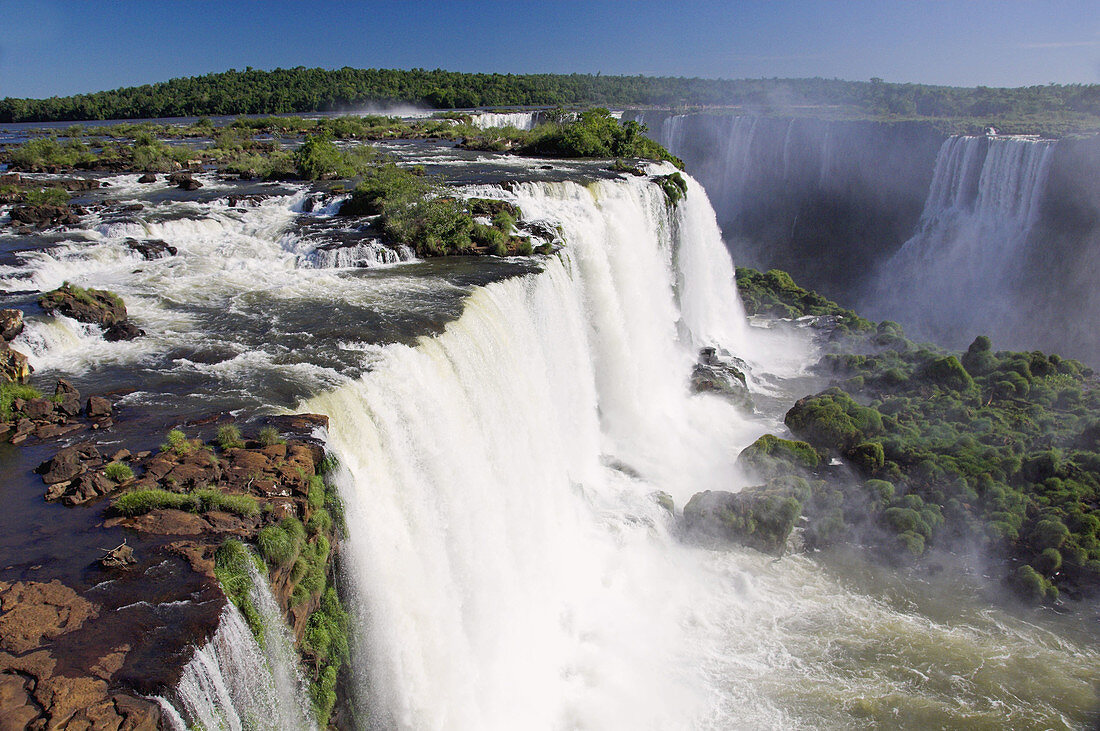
(184, 181)
(148, 178)
(94, 306)
(759, 517)
(44, 216)
(720, 373)
(151, 248)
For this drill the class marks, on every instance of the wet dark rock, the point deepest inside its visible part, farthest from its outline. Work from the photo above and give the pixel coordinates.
(122, 331)
(13, 365)
(66, 397)
(119, 557)
(151, 249)
(11, 324)
(45, 216)
(184, 181)
(94, 306)
(37, 690)
(38, 409)
(251, 200)
(148, 178)
(720, 373)
(98, 407)
(69, 463)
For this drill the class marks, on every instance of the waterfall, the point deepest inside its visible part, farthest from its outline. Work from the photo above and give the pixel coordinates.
(235, 682)
(719, 151)
(511, 566)
(519, 120)
(958, 275)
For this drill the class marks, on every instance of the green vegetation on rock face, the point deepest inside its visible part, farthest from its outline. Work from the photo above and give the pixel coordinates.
(994, 450)
(774, 294)
(231, 567)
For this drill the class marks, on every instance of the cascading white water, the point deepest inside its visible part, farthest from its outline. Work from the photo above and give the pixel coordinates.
(519, 120)
(371, 253)
(958, 270)
(511, 579)
(234, 683)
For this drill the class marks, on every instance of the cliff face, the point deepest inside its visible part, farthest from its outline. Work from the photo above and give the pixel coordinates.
(825, 201)
(1059, 300)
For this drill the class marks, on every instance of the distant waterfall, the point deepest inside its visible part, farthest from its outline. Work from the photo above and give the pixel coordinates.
(519, 120)
(958, 275)
(233, 683)
(718, 150)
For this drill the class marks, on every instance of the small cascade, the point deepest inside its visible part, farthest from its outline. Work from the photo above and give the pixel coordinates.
(365, 254)
(956, 277)
(519, 120)
(235, 682)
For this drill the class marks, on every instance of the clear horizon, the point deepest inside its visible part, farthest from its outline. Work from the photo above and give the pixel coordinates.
(57, 49)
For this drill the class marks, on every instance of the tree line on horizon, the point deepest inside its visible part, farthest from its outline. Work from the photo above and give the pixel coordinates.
(300, 90)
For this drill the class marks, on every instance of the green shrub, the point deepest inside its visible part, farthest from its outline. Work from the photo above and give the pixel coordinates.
(868, 457)
(319, 522)
(118, 471)
(770, 456)
(46, 197)
(229, 437)
(139, 502)
(269, 436)
(10, 391)
(231, 569)
(238, 504)
(277, 546)
(317, 157)
(674, 187)
(178, 443)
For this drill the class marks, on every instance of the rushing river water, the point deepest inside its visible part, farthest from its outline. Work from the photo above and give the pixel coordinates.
(503, 425)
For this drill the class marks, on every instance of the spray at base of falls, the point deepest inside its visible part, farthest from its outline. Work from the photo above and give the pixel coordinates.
(235, 682)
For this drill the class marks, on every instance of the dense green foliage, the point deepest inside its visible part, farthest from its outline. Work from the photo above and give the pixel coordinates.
(414, 211)
(118, 471)
(46, 197)
(318, 158)
(994, 450)
(774, 294)
(307, 90)
(594, 133)
(229, 437)
(769, 456)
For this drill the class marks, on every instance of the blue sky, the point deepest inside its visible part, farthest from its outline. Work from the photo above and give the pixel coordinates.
(49, 48)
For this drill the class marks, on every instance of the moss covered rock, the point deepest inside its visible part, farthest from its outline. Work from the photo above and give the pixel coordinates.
(760, 517)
